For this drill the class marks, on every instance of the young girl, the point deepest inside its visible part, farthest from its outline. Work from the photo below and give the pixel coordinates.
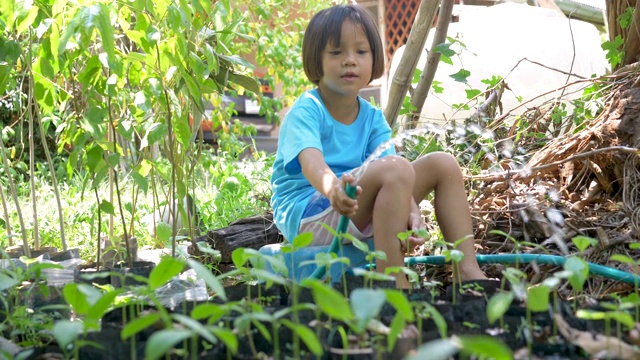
(329, 131)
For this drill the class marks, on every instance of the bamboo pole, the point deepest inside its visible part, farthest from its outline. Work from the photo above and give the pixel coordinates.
(429, 72)
(415, 43)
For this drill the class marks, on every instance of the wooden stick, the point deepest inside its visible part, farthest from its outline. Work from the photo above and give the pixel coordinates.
(433, 59)
(415, 43)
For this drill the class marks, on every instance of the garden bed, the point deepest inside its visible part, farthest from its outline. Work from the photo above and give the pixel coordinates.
(360, 319)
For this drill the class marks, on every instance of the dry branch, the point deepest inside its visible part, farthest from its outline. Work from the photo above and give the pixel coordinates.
(527, 173)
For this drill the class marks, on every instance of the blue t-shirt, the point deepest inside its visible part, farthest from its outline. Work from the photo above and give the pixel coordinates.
(308, 124)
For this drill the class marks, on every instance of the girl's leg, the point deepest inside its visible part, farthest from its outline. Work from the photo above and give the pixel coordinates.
(385, 201)
(440, 172)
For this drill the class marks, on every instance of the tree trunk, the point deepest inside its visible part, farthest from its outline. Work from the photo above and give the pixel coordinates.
(253, 232)
(630, 34)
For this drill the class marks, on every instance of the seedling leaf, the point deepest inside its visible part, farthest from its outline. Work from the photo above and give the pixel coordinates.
(498, 306)
(164, 340)
(138, 324)
(441, 349)
(485, 347)
(166, 269)
(307, 336)
(366, 304)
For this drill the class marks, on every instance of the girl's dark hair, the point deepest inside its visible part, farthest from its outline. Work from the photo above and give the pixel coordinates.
(326, 26)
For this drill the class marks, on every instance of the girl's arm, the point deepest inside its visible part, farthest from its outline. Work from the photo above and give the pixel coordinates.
(322, 178)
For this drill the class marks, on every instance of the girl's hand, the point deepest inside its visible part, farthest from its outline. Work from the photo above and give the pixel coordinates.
(339, 199)
(415, 222)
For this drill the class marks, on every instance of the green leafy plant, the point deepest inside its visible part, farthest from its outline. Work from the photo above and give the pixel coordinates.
(482, 346)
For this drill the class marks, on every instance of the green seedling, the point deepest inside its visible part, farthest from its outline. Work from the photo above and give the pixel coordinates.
(299, 242)
(425, 311)
(636, 267)
(404, 313)
(578, 272)
(518, 245)
(612, 313)
(480, 346)
(537, 301)
(583, 243)
(470, 325)
(497, 306)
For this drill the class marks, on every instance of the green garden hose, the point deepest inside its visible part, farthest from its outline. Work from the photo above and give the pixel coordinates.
(343, 224)
(542, 259)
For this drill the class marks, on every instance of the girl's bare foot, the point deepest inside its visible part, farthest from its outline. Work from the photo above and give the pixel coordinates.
(468, 272)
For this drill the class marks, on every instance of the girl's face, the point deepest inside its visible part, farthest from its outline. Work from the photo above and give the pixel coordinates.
(346, 68)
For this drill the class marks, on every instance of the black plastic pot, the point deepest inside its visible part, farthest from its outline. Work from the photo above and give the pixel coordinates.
(68, 254)
(89, 274)
(122, 275)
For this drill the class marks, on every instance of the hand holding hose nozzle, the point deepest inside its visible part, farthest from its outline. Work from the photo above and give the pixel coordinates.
(343, 224)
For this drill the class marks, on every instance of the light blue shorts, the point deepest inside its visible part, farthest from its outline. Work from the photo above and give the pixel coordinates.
(318, 212)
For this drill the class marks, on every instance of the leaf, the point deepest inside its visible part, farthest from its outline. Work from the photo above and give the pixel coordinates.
(441, 349)
(397, 325)
(197, 327)
(246, 82)
(100, 307)
(461, 75)
(163, 232)
(302, 240)
(205, 274)
(437, 318)
(93, 157)
(485, 347)
(139, 324)
(268, 276)
(622, 258)
(25, 23)
(399, 301)
(66, 332)
(7, 281)
(140, 181)
(583, 242)
(498, 306)
(308, 337)
(182, 130)
(102, 22)
(579, 272)
(227, 337)
(366, 305)
(8, 14)
(208, 310)
(107, 207)
(538, 298)
(237, 60)
(154, 133)
(472, 93)
(239, 257)
(329, 300)
(444, 49)
(166, 269)
(360, 245)
(164, 340)
(76, 298)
